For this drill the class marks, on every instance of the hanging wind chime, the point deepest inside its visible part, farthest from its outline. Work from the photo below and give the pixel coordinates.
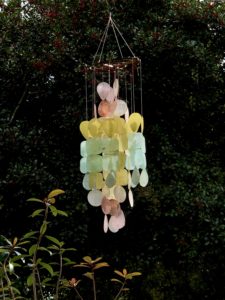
(113, 153)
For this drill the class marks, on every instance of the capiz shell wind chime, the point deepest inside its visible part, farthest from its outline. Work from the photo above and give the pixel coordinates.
(113, 152)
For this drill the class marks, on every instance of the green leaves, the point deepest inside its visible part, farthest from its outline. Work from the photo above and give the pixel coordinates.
(37, 212)
(43, 227)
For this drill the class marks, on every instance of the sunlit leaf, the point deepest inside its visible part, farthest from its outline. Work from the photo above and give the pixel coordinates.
(119, 273)
(81, 265)
(116, 280)
(100, 265)
(89, 275)
(96, 260)
(125, 272)
(135, 273)
(87, 259)
(15, 240)
(55, 193)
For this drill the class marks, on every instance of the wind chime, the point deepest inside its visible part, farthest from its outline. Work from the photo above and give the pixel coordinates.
(113, 153)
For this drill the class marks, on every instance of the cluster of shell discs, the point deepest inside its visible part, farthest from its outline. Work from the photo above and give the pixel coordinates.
(113, 156)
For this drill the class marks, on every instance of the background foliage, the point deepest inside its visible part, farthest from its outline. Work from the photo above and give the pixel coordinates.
(175, 233)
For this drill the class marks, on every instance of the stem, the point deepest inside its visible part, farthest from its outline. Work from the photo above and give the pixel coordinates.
(60, 275)
(94, 286)
(3, 292)
(78, 294)
(35, 269)
(120, 291)
(39, 282)
(9, 284)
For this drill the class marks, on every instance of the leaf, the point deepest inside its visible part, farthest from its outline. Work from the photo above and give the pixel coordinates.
(54, 240)
(18, 257)
(100, 265)
(43, 228)
(125, 272)
(30, 279)
(29, 234)
(15, 240)
(89, 275)
(54, 247)
(96, 260)
(11, 267)
(47, 267)
(62, 213)
(53, 210)
(23, 243)
(37, 212)
(119, 273)
(87, 259)
(45, 249)
(32, 249)
(55, 193)
(5, 239)
(68, 262)
(70, 249)
(16, 291)
(35, 200)
(116, 280)
(3, 250)
(81, 265)
(136, 274)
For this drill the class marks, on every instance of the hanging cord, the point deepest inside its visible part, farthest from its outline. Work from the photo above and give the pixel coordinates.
(123, 38)
(141, 96)
(126, 87)
(102, 41)
(104, 37)
(118, 44)
(133, 85)
(86, 93)
(94, 93)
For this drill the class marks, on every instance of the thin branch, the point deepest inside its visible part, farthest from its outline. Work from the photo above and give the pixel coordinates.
(94, 286)
(60, 275)
(19, 104)
(78, 294)
(120, 291)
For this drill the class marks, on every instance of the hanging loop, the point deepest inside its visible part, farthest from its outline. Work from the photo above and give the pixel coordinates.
(111, 23)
